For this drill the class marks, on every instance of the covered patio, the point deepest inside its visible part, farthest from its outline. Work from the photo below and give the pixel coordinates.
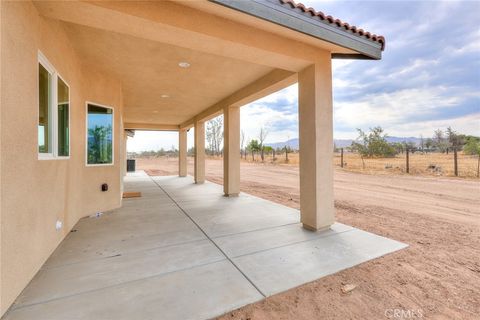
(184, 251)
(80, 76)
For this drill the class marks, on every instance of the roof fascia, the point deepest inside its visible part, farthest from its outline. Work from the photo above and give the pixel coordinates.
(276, 13)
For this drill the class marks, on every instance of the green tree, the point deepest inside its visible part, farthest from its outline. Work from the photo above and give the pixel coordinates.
(398, 146)
(440, 143)
(455, 140)
(373, 144)
(429, 143)
(472, 147)
(267, 149)
(253, 146)
(100, 145)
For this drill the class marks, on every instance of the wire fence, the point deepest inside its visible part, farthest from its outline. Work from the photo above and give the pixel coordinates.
(417, 163)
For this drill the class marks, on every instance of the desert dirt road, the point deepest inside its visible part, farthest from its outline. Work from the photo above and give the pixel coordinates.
(436, 277)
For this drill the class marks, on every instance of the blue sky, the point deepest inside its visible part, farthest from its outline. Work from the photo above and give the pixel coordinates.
(429, 76)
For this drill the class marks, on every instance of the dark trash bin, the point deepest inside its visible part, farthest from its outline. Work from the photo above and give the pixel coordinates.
(130, 165)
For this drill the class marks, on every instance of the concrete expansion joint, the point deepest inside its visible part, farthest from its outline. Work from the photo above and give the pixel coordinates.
(13, 307)
(211, 240)
(293, 243)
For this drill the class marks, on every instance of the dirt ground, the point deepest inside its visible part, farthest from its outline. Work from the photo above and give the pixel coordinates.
(436, 277)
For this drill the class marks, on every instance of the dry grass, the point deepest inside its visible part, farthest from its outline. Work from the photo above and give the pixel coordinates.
(434, 164)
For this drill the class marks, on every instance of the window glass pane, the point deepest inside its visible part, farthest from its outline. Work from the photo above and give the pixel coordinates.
(99, 136)
(63, 114)
(44, 111)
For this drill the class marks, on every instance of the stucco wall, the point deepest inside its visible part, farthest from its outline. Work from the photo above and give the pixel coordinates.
(35, 193)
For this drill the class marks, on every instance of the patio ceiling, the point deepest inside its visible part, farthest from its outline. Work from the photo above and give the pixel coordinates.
(149, 71)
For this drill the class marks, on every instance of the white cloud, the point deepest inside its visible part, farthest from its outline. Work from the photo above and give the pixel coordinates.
(467, 125)
(394, 111)
(415, 66)
(471, 45)
(389, 108)
(260, 114)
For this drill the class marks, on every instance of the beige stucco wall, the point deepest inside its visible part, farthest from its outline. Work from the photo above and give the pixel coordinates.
(35, 193)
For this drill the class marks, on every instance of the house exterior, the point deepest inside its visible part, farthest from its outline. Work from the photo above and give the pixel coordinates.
(75, 75)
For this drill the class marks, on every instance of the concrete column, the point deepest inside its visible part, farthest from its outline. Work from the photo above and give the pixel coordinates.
(231, 151)
(316, 144)
(199, 152)
(123, 156)
(182, 153)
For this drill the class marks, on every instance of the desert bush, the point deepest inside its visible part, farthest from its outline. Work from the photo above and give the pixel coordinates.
(373, 144)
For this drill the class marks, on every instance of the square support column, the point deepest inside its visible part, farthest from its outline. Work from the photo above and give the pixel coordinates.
(123, 155)
(199, 152)
(231, 151)
(316, 144)
(182, 153)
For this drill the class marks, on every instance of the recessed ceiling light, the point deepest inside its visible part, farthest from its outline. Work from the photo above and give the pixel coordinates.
(165, 96)
(184, 64)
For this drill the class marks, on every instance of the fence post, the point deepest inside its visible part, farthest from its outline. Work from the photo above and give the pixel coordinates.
(455, 161)
(408, 160)
(341, 156)
(286, 154)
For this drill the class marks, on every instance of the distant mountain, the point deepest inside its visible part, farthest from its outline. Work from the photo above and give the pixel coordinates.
(340, 143)
(292, 143)
(404, 139)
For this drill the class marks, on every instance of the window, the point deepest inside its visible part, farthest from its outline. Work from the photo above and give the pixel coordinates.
(44, 110)
(63, 118)
(53, 112)
(99, 135)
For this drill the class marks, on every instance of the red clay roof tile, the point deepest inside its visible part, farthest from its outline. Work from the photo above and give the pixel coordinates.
(337, 22)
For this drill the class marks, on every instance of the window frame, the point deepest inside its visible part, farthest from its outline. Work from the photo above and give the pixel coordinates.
(86, 135)
(53, 109)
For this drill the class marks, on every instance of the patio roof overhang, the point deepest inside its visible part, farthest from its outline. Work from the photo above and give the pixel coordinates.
(142, 43)
(317, 26)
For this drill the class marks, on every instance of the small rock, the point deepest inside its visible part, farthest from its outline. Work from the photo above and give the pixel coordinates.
(348, 288)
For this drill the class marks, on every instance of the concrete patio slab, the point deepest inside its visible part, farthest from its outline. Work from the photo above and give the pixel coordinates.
(72, 279)
(250, 242)
(290, 266)
(78, 249)
(183, 251)
(197, 293)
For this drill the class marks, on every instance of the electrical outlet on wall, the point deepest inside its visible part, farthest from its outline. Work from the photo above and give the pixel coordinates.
(58, 225)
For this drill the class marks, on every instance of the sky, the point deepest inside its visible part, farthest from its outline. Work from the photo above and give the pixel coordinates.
(428, 78)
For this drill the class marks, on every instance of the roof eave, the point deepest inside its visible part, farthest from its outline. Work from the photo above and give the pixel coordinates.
(274, 12)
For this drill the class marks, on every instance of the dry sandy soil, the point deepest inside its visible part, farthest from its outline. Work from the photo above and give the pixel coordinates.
(436, 277)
